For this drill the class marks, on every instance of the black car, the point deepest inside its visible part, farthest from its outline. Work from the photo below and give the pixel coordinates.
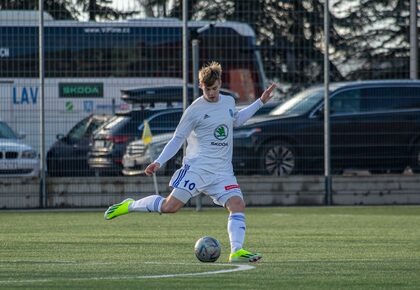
(111, 140)
(68, 155)
(375, 125)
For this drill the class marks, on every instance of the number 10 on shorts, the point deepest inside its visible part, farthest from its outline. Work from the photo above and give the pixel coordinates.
(189, 185)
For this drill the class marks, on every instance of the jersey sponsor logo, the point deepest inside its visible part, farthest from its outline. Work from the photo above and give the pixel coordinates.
(221, 132)
(233, 186)
(223, 144)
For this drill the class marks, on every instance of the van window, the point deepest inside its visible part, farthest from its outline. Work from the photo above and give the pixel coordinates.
(390, 98)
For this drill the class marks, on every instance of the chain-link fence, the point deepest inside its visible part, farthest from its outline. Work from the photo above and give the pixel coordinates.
(111, 65)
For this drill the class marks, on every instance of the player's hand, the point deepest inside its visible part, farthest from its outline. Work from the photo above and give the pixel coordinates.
(266, 96)
(152, 168)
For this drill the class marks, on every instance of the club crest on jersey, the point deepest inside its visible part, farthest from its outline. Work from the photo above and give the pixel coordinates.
(221, 132)
(231, 112)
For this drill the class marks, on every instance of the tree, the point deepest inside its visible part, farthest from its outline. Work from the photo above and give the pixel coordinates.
(66, 10)
(289, 34)
(154, 8)
(377, 46)
(58, 9)
(100, 9)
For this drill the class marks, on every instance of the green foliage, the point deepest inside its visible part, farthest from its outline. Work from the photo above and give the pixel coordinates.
(303, 248)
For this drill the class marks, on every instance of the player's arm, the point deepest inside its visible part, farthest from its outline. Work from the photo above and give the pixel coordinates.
(243, 115)
(183, 130)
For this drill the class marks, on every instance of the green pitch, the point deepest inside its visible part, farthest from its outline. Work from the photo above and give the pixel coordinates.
(303, 248)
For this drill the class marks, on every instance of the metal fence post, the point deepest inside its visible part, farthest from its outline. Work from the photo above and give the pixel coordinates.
(327, 149)
(413, 40)
(195, 64)
(43, 193)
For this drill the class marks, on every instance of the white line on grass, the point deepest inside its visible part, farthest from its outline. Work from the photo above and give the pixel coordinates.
(237, 267)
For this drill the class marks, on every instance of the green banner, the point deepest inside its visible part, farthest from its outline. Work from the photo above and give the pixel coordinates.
(81, 90)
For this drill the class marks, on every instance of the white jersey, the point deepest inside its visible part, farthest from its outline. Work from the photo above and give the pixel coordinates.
(208, 129)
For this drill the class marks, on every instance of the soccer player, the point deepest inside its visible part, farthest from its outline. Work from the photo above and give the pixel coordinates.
(207, 125)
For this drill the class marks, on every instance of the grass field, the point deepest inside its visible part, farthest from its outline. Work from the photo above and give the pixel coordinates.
(303, 248)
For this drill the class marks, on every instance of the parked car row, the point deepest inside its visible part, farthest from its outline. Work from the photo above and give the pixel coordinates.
(96, 145)
(374, 125)
(111, 140)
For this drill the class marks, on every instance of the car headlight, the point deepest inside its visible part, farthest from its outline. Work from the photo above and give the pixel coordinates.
(245, 133)
(30, 154)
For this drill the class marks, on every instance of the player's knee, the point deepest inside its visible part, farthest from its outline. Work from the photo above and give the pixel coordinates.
(168, 207)
(235, 204)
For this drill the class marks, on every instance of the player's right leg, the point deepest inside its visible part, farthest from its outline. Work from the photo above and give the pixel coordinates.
(156, 203)
(151, 203)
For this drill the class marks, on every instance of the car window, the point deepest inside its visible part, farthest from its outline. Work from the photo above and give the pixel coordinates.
(390, 98)
(6, 132)
(79, 130)
(301, 103)
(169, 120)
(346, 102)
(93, 125)
(116, 121)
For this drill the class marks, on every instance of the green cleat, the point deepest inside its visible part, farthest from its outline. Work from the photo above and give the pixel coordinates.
(244, 256)
(118, 209)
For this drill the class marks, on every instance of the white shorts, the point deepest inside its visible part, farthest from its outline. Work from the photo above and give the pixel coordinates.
(219, 187)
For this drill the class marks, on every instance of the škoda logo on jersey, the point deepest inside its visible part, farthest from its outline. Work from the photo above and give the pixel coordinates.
(221, 132)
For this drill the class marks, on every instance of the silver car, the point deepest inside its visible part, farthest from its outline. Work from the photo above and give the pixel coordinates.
(16, 158)
(138, 155)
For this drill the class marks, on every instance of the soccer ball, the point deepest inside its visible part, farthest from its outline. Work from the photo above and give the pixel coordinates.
(207, 249)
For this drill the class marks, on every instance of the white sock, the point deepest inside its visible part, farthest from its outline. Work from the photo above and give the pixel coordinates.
(236, 229)
(151, 203)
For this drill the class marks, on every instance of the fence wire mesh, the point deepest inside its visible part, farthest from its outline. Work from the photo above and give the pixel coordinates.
(111, 65)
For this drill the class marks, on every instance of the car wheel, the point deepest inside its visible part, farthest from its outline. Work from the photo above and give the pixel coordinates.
(415, 162)
(279, 159)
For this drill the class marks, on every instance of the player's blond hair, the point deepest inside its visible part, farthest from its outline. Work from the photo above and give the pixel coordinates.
(210, 73)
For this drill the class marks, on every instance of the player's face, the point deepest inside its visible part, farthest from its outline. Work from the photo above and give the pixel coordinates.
(211, 93)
